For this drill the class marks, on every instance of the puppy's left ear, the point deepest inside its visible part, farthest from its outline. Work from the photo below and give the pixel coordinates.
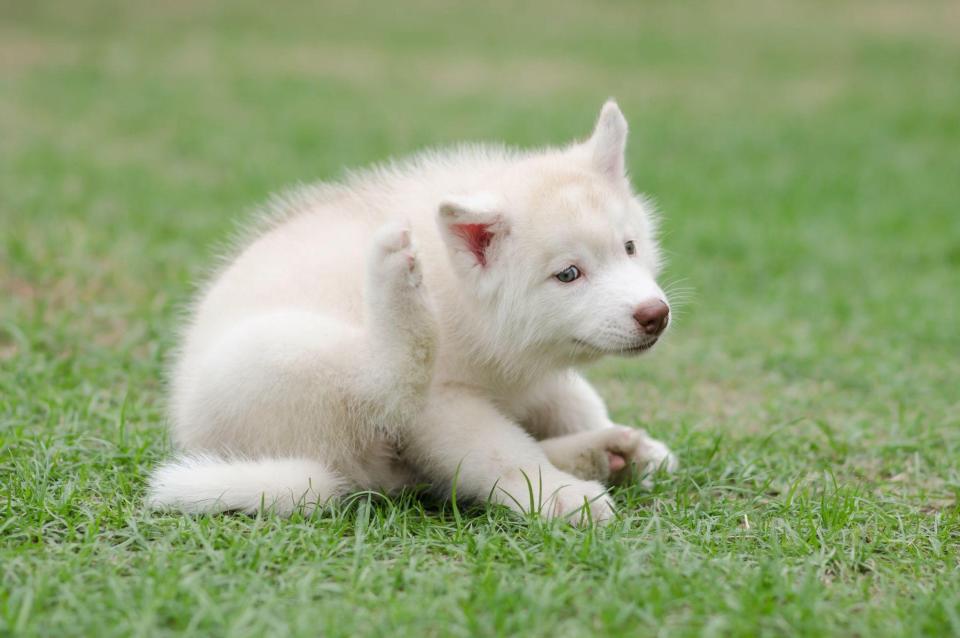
(608, 144)
(472, 227)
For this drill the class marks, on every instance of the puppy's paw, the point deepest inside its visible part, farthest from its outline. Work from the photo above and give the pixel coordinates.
(590, 463)
(394, 261)
(655, 455)
(594, 455)
(644, 457)
(580, 503)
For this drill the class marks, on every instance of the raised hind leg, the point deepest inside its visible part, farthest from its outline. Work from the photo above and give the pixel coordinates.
(291, 381)
(400, 325)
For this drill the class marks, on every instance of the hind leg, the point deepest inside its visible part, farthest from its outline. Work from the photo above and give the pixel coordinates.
(291, 380)
(400, 323)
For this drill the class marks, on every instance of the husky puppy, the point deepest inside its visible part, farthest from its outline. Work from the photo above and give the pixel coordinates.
(421, 323)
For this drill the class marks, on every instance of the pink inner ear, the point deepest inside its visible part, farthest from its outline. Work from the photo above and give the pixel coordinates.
(477, 237)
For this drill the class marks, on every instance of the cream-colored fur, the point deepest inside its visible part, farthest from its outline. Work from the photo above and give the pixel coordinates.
(407, 326)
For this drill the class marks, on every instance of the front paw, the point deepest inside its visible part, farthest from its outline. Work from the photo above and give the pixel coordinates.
(557, 495)
(644, 456)
(580, 503)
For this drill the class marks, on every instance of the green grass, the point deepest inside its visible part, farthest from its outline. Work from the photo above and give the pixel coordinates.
(806, 157)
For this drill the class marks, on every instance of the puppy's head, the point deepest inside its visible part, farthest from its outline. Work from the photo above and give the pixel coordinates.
(559, 253)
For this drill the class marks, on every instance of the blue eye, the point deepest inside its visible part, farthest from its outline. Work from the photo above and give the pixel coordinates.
(567, 275)
(631, 248)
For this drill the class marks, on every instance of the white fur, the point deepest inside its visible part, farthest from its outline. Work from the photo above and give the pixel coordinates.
(364, 338)
(200, 483)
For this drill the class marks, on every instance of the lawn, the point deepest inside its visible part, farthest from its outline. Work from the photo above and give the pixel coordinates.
(806, 157)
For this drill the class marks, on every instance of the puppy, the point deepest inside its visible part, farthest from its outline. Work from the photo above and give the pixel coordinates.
(422, 322)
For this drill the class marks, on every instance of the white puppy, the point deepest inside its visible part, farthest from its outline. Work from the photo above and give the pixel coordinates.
(334, 353)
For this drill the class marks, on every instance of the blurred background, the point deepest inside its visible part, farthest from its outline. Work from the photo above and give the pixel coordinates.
(805, 157)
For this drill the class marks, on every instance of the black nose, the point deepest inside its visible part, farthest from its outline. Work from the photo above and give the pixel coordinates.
(652, 317)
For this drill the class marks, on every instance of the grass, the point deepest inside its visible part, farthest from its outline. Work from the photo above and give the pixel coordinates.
(806, 160)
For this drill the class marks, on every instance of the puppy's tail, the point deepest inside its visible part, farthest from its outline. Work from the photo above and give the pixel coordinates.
(207, 484)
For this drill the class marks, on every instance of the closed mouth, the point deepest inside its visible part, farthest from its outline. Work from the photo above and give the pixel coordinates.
(643, 347)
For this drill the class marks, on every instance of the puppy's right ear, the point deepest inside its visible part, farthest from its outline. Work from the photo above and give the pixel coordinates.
(473, 228)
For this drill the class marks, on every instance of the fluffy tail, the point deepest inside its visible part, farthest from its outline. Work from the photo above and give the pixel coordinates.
(206, 484)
